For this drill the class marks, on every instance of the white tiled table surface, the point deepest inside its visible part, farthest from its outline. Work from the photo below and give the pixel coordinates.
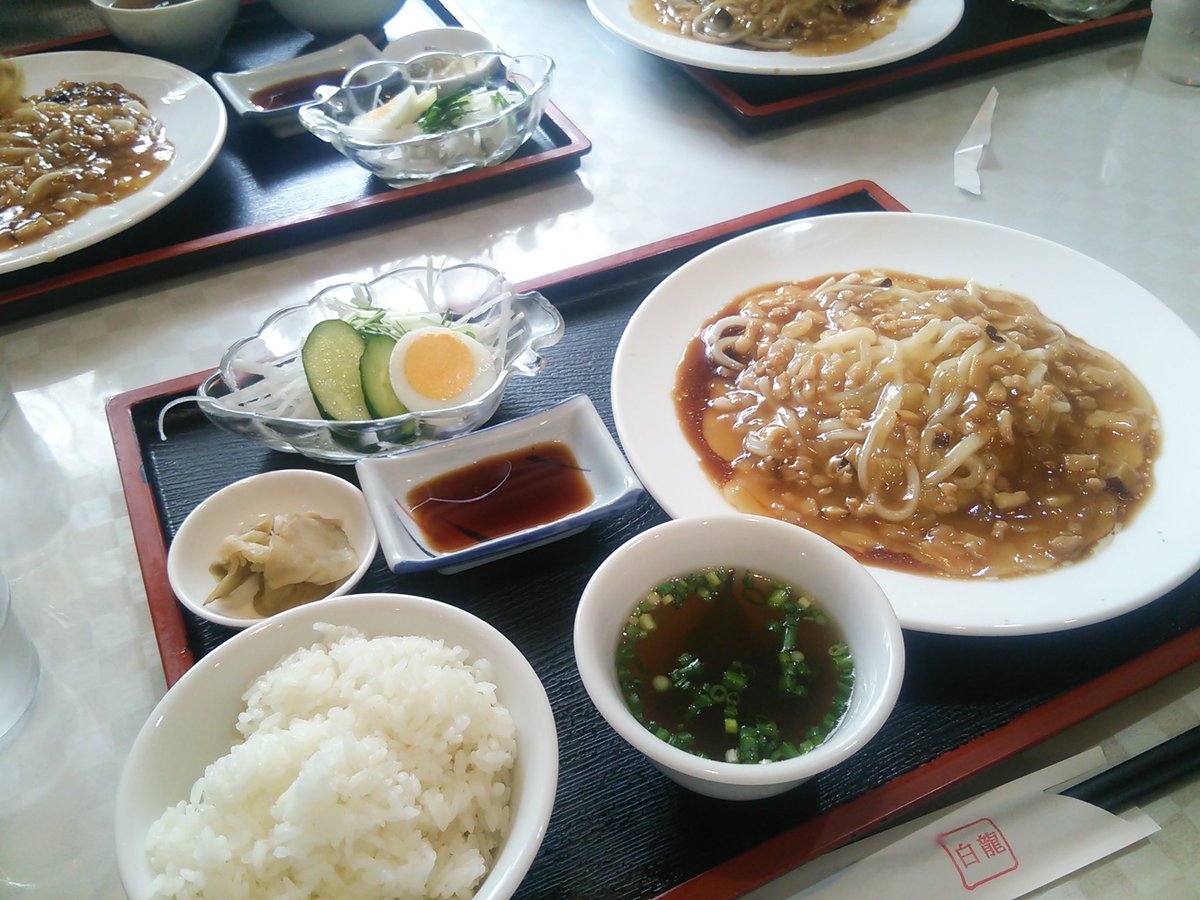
(1089, 149)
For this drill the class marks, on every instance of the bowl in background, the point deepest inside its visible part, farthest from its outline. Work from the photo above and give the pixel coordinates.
(439, 40)
(515, 327)
(574, 423)
(331, 20)
(425, 156)
(193, 725)
(237, 507)
(1072, 12)
(302, 74)
(189, 33)
(825, 573)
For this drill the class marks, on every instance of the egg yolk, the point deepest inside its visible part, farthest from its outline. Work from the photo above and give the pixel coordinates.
(439, 366)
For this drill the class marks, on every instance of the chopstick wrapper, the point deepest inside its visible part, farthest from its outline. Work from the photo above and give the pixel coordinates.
(1002, 844)
(970, 149)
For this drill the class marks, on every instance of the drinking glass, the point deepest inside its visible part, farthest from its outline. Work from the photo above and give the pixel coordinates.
(1073, 12)
(1173, 44)
(19, 667)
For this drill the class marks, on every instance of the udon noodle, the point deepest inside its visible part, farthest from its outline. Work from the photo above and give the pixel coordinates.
(943, 426)
(802, 26)
(75, 147)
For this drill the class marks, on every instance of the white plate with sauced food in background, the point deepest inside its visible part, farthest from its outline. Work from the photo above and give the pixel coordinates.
(194, 120)
(1150, 553)
(920, 25)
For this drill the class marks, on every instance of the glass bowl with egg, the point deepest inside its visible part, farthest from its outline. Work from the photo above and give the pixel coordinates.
(432, 115)
(420, 354)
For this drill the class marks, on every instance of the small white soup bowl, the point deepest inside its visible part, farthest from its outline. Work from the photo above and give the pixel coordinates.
(335, 19)
(189, 33)
(235, 508)
(194, 724)
(825, 573)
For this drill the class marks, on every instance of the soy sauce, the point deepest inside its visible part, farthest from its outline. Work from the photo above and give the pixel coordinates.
(499, 495)
(295, 90)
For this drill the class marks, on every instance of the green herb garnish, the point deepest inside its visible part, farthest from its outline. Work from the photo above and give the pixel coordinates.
(446, 112)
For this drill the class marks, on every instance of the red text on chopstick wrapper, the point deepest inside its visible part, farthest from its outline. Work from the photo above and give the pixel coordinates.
(979, 852)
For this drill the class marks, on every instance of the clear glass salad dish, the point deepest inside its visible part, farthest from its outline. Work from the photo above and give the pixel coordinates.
(261, 390)
(485, 105)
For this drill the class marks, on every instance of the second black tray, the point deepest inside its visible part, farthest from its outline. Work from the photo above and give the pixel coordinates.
(265, 193)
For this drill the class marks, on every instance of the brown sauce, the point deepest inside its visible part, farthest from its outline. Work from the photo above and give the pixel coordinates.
(79, 145)
(295, 90)
(1053, 485)
(822, 35)
(499, 495)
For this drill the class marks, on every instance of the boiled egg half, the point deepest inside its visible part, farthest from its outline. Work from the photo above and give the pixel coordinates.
(436, 368)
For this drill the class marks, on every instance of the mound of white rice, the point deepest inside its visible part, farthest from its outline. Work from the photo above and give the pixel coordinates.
(376, 767)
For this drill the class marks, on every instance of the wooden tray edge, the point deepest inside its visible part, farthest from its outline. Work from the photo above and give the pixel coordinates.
(170, 633)
(165, 612)
(708, 232)
(758, 114)
(784, 852)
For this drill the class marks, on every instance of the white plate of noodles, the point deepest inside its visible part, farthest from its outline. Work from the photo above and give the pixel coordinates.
(194, 121)
(813, 38)
(1001, 468)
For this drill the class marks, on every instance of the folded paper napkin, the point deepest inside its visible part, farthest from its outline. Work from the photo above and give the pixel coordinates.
(998, 846)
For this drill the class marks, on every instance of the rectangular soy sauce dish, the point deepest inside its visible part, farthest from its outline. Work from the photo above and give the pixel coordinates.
(388, 482)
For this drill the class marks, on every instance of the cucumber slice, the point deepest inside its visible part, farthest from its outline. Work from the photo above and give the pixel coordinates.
(330, 355)
(377, 378)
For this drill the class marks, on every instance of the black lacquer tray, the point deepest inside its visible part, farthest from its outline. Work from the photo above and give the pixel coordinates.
(992, 34)
(264, 193)
(619, 828)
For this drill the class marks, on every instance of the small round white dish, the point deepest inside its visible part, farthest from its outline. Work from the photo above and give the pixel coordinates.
(331, 20)
(827, 575)
(235, 508)
(1141, 562)
(922, 24)
(190, 110)
(189, 33)
(438, 40)
(194, 724)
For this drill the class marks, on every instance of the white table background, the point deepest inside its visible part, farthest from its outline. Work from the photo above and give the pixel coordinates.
(1089, 149)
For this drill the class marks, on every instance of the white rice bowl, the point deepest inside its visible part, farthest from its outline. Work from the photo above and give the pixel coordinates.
(383, 766)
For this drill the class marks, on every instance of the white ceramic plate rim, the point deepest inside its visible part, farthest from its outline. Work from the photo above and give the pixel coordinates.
(1144, 560)
(230, 668)
(922, 24)
(184, 102)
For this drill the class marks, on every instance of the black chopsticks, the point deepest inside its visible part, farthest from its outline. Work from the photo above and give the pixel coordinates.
(1126, 783)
